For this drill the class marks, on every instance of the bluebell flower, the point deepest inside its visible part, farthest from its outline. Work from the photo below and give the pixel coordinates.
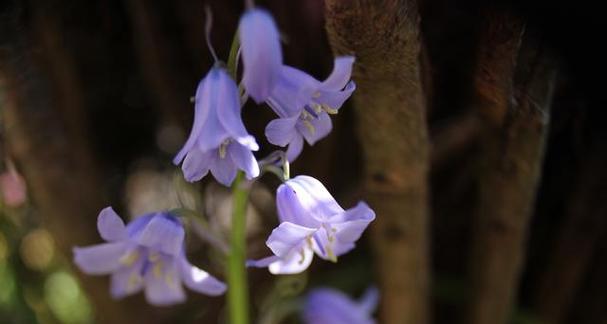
(329, 306)
(312, 222)
(301, 102)
(303, 105)
(147, 254)
(219, 141)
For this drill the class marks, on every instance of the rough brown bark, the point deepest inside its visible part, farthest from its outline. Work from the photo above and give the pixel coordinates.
(383, 35)
(514, 96)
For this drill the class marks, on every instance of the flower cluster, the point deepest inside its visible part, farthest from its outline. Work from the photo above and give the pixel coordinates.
(219, 141)
(148, 253)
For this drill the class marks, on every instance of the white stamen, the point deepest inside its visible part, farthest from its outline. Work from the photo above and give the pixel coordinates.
(302, 253)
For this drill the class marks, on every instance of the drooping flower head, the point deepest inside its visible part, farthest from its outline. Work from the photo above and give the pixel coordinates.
(303, 105)
(219, 141)
(301, 102)
(147, 254)
(329, 306)
(311, 222)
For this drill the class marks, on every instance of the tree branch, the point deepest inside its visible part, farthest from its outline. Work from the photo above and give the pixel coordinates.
(383, 35)
(515, 101)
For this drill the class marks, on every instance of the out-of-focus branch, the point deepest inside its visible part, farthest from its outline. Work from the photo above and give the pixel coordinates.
(46, 134)
(391, 116)
(514, 92)
(578, 237)
(155, 56)
(459, 134)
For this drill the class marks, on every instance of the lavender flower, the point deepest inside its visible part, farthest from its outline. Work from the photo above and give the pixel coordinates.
(329, 306)
(219, 141)
(311, 222)
(303, 105)
(301, 102)
(146, 254)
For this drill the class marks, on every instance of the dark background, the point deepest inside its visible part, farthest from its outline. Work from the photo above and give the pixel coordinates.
(102, 90)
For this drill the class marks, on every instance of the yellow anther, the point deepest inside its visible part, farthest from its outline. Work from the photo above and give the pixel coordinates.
(157, 270)
(309, 126)
(329, 110)
(332, 257)
(130, 258)
(305, 115)
(317, 108)
(154, 256)
(134, 280)
(169, 280)
(222, 150)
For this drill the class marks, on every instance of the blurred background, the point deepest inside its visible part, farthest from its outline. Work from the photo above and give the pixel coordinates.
(95, 101)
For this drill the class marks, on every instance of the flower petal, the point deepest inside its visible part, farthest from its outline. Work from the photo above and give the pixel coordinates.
(314, 198)
(291, 210)
(163, 284)
(196, 164)
(199, 280)
(127, 281)
(321, 128)
(335, 99)
(292, 92)
(342, 72)
(135, 226)
(110, 225)
(201, 111)
(295, 148)
(287, 237)
(244, 160)
(329, 306)
(350, 225)
(281, 131)
(262, 263)
(296, 262)
(329, 249)
(261, 53)
(228, 101)
(224, 170)
(164, 233)
(99, 259)
(369, 301)
(213, 132)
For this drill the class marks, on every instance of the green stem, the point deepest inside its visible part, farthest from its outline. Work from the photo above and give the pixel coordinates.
(232, 57)
(238, 294)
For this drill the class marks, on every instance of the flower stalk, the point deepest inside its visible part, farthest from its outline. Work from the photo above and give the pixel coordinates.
(238, 292)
